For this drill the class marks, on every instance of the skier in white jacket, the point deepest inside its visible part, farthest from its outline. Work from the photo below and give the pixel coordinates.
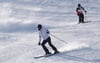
(44, 34)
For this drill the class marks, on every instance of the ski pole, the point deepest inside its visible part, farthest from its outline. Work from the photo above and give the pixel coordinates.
(59, 39)
(86, 17)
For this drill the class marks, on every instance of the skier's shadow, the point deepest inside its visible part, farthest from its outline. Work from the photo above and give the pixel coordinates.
(80, 55)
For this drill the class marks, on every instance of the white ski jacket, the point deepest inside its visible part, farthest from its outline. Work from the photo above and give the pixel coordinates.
(43, 34)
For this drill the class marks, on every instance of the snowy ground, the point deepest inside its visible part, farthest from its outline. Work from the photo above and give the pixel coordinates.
(19, 36)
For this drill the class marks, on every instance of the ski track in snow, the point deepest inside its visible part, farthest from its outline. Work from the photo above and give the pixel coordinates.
(76, 51)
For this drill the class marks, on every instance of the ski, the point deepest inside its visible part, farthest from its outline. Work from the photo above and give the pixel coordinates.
(43, 56)
(86, 22)
(37, 57)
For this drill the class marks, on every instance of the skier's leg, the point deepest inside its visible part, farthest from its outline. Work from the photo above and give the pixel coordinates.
(53, 47)
(79, 18)
(44, 47)
(82, 18)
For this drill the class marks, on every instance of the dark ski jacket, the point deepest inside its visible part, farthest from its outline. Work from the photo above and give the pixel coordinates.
(79, 10)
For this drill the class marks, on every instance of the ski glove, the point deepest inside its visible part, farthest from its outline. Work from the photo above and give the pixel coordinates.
(39, 43)
(85, 11)
(48, 32)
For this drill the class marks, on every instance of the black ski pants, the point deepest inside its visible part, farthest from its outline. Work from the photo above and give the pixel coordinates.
(48, 40)
(81, 18)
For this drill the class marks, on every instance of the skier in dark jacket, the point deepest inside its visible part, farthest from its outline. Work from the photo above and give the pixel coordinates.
(80, 13)
(44, 34)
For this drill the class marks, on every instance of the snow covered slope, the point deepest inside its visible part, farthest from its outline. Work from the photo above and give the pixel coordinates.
(19, 37)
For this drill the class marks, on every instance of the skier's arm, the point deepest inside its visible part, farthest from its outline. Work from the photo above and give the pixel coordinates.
(76, 9)
(39, 43)
(84, 10)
